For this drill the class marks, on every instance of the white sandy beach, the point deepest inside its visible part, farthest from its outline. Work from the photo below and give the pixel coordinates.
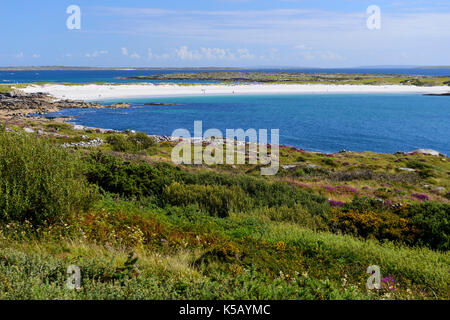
(97, 92)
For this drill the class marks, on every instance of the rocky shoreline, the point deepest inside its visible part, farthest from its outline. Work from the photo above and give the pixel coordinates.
(17, 104)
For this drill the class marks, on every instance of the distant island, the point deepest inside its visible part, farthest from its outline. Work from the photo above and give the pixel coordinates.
(299, 78)
(435, 67)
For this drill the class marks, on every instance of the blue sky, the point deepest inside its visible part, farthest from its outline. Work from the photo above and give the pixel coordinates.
(181, 33)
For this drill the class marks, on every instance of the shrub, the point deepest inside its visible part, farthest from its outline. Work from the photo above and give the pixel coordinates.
(378, 225)
(129, 179)
(120, 143)
(424, 170)
(217, 200)
(364, 204)
(143, 180)
(39, 182)
(329, 162)
(312, 172)
(433, 219)
(131, 143)
(365, 224)
(142, 140)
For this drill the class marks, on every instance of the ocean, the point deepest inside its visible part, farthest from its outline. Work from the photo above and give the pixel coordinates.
(73, 76)
(315, 122)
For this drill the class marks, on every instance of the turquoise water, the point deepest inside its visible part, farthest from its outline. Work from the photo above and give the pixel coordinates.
(316, 122)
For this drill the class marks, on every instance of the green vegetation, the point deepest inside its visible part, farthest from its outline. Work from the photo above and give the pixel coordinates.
(131, 143)
(38, 181)
(301, 78)
(5, 89)
(140, 227)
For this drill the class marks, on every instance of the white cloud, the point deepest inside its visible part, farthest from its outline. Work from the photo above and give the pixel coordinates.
(124, 51)
(19, 55)
(151, 55)
(217, 54)
(245, 54)
(185, 54)
(36, 56)
(135, 56)
(96, 54)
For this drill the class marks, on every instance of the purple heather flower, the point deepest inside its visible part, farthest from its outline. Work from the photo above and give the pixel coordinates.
(330, 188)
(345, 188)
(334, 203)
(388, 283)
(421, 196)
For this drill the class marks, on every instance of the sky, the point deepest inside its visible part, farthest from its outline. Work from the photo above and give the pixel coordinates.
(225, 33)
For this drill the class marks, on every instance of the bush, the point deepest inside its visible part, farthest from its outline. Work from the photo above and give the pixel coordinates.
(131, 143)
(433, 219)
(425, 223)
(376, 225)
(129, 179)
(217, 200)
(119, 143)
(142, 140)
(424, 170)
(39, 182)
(143, 180)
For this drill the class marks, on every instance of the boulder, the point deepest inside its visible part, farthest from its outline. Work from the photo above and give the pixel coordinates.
(430, 152)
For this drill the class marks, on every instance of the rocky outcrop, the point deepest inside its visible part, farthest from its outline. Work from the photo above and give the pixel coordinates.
(438, 94)
(160, 104)
(18, 104)
(430, 152)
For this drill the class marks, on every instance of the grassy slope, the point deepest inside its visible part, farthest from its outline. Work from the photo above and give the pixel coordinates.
(184, 252)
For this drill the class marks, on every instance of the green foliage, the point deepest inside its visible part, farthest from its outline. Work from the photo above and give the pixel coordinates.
(433, 219)
(205, 235)
(131, 143)
(39, 181)
(424, 170)
(217, 200)
(5, 89)
(363, 204)
(297, 214)
(128, 179)
(418, 224)
(329, 162)
(144, 180)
